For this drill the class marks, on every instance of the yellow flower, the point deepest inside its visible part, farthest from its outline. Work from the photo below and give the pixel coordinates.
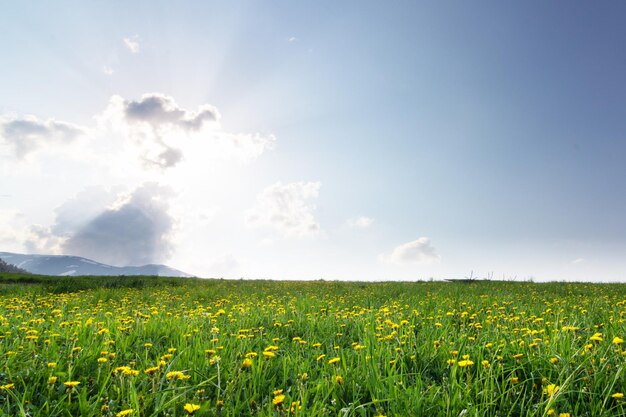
(102, 360)
(52, 365)
(191, 408)
(152, 371)
(125, 413)
(71, 384)
(565, 415)
(320, 357)
(515, 380)
(268, 354)
(278, 400)
(618, 395)
(247, 363)
(518, 355)
(486, 364)
(554, 360)
(6, 387)
(339, 379)
(465, 362)
(551, 389)
(618, 340)
(52, 380)
(176, 375)
(334, 361)
(597, 337)
(295, 406)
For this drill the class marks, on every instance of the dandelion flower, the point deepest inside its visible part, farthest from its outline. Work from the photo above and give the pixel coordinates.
(152, 371)
(125, 413)
(597, 337)
(618, 340)
(191, 408)
(465, 362)
(278, 400)
(334, 361)
(71, 384)
(339, 379)
(176, 375)
(551, 389)
(618, 395)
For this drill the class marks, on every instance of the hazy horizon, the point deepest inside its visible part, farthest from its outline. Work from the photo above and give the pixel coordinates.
(352, 140)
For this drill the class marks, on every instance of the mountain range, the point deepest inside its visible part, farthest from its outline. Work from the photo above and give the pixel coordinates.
(63, 265)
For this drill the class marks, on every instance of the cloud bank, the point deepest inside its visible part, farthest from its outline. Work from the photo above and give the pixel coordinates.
(419, 251)
(287, 208)
(136, 231)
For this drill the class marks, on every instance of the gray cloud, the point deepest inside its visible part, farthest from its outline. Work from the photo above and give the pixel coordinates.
(28, 133)
(136, 232)
(159, 110)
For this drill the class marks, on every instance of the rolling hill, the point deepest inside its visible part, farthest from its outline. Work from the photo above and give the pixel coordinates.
(63, 265)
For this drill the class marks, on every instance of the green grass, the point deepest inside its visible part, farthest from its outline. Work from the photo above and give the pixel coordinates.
(401, 347)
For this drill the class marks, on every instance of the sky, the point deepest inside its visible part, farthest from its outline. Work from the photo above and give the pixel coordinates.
(354, 140)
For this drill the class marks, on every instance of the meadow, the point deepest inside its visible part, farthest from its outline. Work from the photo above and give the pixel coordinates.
(146, 346)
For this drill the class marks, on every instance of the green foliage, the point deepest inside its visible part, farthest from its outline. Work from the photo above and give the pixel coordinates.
(149, 346)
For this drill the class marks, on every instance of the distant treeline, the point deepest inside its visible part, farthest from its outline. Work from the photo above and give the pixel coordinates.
(5, 267)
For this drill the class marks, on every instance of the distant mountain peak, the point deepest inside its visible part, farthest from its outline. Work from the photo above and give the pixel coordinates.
(65, 265)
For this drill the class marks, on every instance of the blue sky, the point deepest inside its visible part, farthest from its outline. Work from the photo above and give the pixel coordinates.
(337, 140)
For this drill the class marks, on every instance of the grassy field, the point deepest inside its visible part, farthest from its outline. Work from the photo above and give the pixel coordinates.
(145, 346)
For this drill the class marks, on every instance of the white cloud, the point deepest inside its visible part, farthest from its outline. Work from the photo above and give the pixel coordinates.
(418, 251)
(18, 236)
(107, 70)
(361, 222)
(158, 125)
(132, 43)
(25, 134)
(11, 229)
(41, 239)
(287, 209)
(293, 39)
